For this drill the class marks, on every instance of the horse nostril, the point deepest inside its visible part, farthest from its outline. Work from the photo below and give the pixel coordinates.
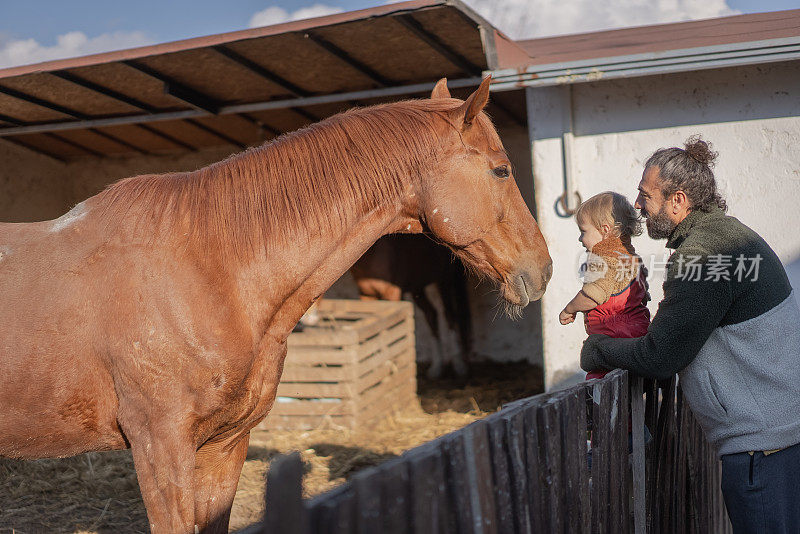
(547, 273)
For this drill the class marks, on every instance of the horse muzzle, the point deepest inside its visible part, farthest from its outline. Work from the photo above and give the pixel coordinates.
(527, 286)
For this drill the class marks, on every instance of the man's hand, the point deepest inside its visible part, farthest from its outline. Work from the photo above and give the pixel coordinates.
(565, 317)
(590, 356)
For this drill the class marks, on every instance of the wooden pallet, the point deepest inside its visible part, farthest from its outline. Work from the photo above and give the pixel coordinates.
(352, 369)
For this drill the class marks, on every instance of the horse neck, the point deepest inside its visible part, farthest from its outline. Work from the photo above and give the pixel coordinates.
(284, 279)
(285, 282)
(289, 218)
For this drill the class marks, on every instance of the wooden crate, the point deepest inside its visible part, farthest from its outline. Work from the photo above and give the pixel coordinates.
(352, 369)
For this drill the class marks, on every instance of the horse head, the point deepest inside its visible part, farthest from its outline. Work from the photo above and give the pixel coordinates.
(471, 203)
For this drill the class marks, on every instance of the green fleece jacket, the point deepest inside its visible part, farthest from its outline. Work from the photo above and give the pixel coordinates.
(729, 325)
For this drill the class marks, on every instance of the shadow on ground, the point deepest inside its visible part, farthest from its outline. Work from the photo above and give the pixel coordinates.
(344, 461)
(488, 386)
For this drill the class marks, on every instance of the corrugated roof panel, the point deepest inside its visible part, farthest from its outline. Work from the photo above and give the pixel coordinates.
(662, 37)
(92, 141)
(281, 120)
(236, 127)
(26, 112)
(299, 60)
(141, 137)
(213, 76)
(50, 88)
(457, 33)
(129, 82)
(53, 145)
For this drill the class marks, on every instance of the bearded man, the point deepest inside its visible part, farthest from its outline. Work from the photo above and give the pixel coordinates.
(729, 325)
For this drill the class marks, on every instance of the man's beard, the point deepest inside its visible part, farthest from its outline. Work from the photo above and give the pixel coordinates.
(659, 226)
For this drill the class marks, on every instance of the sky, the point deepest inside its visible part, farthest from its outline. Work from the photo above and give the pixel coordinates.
(32, 31)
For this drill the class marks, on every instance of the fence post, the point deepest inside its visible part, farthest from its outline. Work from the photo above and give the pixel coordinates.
(285, 512)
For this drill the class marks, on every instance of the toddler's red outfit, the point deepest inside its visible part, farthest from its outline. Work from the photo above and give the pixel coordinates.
(617, 280)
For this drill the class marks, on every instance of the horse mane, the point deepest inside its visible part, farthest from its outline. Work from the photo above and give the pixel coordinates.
(321, 176)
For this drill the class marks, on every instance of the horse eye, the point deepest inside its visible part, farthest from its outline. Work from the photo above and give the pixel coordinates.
(501, 171)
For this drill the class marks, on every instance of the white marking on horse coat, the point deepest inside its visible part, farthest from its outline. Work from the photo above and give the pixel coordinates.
(435, 210)
(447, 219)
(69, 218)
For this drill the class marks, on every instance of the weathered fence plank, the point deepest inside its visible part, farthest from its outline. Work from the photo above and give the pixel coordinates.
(533, 460)
(479, 471)
(574, 461)
(395, 497)
(428, 494)
(285, 513)
(551, 447)
(602, 397)
(621, 449)
(499, 453)
(637, 455)
(457, 480)
(368, 503)
(515, 435)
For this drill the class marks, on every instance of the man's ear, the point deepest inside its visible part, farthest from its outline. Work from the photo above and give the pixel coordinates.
(475, 103)
(679, 202)
(440, 90)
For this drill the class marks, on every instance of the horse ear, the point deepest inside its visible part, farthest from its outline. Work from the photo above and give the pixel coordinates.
(476, 102)
(440, 89)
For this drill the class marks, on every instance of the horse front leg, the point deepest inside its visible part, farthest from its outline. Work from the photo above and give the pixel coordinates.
(164, 458)
(218, 466)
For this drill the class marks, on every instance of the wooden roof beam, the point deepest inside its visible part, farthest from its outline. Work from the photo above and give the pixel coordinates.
(261, 124)
(177, 90)
(167, 137)
(11, 120)
(119, 141)
(19, 95)
(35, 149)
(73, 144)
(347, 58)
(434, 42)
(86, 84)
(215, 133)
(257, 69)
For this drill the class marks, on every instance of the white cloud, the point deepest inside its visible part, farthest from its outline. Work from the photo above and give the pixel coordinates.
(525, 19)
(277, 15)
(26, 51)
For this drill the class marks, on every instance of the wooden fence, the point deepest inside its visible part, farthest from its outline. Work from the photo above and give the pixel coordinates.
(525, 469)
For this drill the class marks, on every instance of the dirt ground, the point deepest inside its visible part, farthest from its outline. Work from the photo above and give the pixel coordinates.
(98, 492)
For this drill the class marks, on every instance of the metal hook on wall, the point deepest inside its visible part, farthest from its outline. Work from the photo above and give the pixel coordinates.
(562, 204)
(567, 137)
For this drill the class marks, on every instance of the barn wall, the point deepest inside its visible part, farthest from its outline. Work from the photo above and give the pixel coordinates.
(89, 177)
(750, 114)
(32, 186)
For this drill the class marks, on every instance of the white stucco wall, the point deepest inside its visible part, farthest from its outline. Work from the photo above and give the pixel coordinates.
(750, 114)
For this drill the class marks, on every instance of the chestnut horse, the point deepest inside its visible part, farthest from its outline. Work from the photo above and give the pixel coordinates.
(154, 315)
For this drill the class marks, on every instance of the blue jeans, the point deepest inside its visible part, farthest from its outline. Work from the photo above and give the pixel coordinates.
(762, 492)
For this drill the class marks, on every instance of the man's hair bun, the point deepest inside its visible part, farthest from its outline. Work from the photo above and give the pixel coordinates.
(700, 151)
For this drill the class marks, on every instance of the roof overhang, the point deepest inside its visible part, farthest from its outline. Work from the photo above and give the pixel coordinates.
(243, 87)
(664, 62)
